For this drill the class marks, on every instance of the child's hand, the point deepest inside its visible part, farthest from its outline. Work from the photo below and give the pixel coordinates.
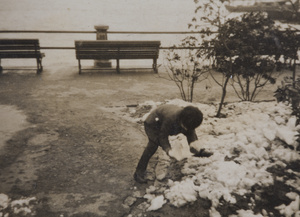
(203, 153)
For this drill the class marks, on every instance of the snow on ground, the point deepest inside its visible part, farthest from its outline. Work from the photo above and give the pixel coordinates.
(252, 138)
(21, 207)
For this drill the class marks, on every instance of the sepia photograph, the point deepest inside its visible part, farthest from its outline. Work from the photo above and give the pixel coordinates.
(149, 108)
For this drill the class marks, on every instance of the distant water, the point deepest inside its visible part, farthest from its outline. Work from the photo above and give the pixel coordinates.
(119, 15)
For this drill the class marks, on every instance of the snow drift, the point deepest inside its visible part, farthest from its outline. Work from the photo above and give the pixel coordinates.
(253, 138)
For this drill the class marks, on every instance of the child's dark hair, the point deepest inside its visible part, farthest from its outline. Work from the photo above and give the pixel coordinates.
(191, 117)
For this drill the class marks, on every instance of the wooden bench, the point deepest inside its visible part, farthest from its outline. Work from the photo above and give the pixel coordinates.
(21, 48)
(105, 50)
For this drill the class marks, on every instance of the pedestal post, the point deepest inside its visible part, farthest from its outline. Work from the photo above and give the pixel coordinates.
(101, 35)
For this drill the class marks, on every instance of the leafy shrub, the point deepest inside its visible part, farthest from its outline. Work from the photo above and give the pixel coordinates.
(291, 94)
(185, 67)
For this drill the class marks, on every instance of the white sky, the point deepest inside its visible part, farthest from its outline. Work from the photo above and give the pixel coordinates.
(84, 14)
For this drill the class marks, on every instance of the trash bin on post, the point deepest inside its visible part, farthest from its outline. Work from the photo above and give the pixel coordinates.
(101, 35)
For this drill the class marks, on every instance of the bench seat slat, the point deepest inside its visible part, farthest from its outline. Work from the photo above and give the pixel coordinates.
(116, 56)
(21, 55)
(105, 57)
(100, 46)
(18, 47)
(117, 52)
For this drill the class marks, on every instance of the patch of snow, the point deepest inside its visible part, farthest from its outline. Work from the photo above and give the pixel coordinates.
(246, 213)
(179, 102)
(22, 205)
(4, 201)
(151, 103)
(292, 209)
(286, 134)
(18, 207)
(157, 203)
(292, 195)
(182, 192)
(295, 183)
(214, 213)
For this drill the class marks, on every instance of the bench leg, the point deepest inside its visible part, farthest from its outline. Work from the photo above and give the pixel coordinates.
(39, 65)
(154, 66)
(118, 65)
(79, 66)
(1, 69)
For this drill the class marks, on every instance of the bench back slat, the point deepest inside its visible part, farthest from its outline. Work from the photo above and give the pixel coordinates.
(18, 47)
(104, 43)
(19, 44)
(9, 41)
